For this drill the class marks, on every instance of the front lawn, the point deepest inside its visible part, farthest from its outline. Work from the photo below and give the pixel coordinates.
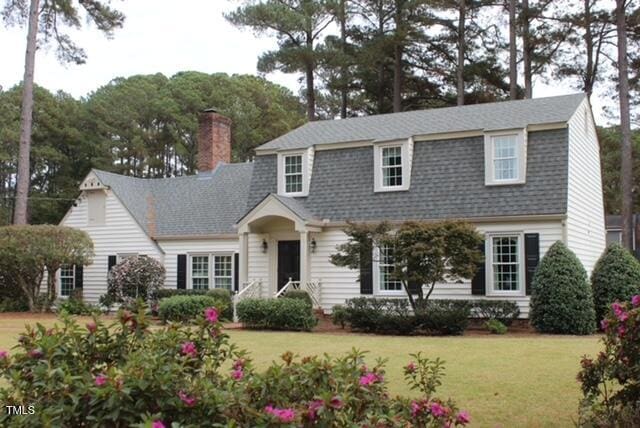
(502, 381)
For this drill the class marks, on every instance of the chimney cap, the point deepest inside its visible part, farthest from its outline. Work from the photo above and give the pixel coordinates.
(211, 110)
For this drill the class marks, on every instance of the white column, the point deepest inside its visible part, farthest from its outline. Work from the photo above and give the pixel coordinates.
(243, 259)
(304, 259)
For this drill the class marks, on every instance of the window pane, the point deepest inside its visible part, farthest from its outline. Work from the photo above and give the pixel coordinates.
(223, 272)
(293, 174)
(506, 263)
(505, 157)
(387, 283)
(66, 280)
(200, 272)
(392, 166)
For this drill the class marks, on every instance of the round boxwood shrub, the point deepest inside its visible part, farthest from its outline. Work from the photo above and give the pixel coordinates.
(135, 277)
(561, 298)
(616, 276)
(187, 308)
(276, 314)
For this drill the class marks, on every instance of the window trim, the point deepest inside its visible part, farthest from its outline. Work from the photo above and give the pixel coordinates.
(405, 164)
(378, 290)
(521, 161)
(490, 289)
(213, 270)
(210, 264)
(282, 185)
(59, 282)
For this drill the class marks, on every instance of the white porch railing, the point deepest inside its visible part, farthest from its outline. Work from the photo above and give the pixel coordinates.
(250, 290)
(313, 288)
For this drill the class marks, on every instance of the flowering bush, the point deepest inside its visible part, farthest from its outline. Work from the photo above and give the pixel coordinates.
(611, 381)
(126, 375)
(135, 277)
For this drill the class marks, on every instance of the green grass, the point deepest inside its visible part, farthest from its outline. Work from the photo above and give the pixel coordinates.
(507, 381)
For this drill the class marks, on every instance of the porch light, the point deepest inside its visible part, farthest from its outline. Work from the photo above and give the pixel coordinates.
(313, 245)
(265, 246)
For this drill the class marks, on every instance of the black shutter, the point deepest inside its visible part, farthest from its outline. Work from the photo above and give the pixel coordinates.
(182, 271)
(236, 270)
(79, 277)
(479, 281)
(111, 262)
(531, 257)
(366, 272)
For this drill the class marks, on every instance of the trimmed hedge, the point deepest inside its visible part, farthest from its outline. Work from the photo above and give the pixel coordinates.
(276, 314)
(298, 294)
(220, 294)
(615, 277)
(445, 317)
(505, 311)
(187, 308)
(495, 327)
(561, 298)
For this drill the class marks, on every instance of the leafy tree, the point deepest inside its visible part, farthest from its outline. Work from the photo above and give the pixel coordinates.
(25, 252)
(615, 277)
(561, 298)
(298, 25)
(424, 253)
(48, 20)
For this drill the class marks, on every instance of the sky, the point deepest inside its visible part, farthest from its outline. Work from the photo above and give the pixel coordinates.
(167, 37)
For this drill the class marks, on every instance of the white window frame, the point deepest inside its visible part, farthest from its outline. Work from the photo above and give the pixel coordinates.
(405, 164)
(490, 290)
(377, 278)
(59, 281)
(213, 271)
(521, 153)
(211, 266)
(282, 188)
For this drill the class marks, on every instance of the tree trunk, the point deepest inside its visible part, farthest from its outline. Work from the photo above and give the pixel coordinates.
(343, 73)
(311, 94)
(588, 40)
(462, 10)
(26, 119)
(526, 49)
(513, 52)
(397, 58)
(625, 128)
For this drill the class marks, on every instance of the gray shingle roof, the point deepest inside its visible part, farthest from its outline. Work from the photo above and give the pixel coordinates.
(384, 127)
(203, 204)
(447, 181)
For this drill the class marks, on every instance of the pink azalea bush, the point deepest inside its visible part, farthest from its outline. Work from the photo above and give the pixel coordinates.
(126, 374)
(611, 381)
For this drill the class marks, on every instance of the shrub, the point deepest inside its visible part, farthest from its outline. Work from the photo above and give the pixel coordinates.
(298, 294)
(505, 311)
(384, 316)
(611, 381)
(76, 306)
(135, 277)
(220, 294)
(495, 327)
(616, 276)
(186, 308)
(276, 314)
(12, 298)
(339, 316)
(561, 299)
(448, 317)
(125, 375)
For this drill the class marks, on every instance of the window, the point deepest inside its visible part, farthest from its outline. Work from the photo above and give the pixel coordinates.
(293, 174)
(386, 269)
(200, 272)
(505, 263)
(223, 272)
(67, 280)
(392, 166)
(505, 158)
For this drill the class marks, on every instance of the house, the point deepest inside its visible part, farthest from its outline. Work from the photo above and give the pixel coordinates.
(613, 226)
(526, 173)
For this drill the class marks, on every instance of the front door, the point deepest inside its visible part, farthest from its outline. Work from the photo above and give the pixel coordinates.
(288, 262)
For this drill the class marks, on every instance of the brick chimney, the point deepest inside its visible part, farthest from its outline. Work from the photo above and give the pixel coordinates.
(214, 140)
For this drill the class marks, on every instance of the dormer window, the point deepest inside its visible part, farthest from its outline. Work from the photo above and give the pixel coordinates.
(505, 157)
(392, 166)
(294, 172)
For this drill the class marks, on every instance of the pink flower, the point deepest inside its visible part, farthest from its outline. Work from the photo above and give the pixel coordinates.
(100, 380)
(411, 367)
(4, 355)
(635, 300)
(239, 364)
(621, 331)
(463, 418)
(336, 402)
(314, 408)
(36, 353)
(211, 314)
(283, 415)
(604, 324)
(617, 308)
(415, 409)
(189, 349)
(157, 424)
(186, 399)
(437, 410)
(623, 316)
(237, 374)
(92, 327)
(369, 379)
